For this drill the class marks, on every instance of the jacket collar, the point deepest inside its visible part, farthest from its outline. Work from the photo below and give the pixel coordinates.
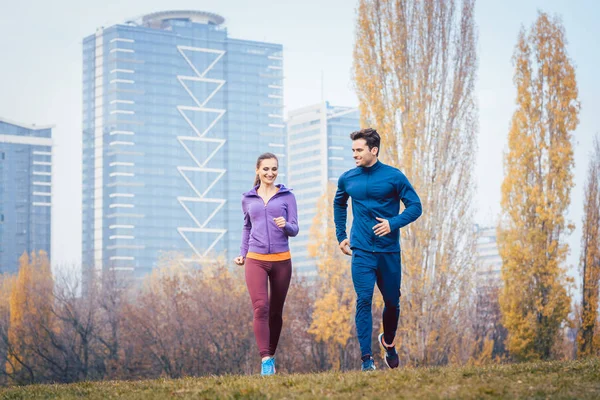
(252, 192)
(373, 167)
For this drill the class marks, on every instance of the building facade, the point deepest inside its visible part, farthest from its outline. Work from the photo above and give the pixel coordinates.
(489, 262)
(25, 191)
(175, 113)
(320, 150)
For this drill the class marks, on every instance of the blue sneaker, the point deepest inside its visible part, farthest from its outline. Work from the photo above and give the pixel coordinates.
(391, 356)
(368, 365)
(268, 367)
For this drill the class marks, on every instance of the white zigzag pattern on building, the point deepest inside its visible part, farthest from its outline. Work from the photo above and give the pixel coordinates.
(201, 166)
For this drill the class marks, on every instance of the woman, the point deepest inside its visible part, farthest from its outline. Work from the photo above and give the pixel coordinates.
(270, 218)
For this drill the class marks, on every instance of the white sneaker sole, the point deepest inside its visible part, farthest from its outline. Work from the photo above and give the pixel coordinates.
(380, 340)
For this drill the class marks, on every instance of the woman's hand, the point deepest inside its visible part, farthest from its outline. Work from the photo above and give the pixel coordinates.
(239, 260)
(280, 222)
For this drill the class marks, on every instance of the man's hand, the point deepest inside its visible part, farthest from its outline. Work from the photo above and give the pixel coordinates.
(239, 260)
(345, 247)
(280, 222)
(382, 228)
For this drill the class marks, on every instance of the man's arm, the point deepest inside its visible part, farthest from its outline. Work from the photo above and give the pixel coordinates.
(340, 210)
(411, 201)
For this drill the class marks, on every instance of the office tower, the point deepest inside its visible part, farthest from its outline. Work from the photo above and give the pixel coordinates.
(175, 113)
(320, 150)
(25, 191)
(489, 262)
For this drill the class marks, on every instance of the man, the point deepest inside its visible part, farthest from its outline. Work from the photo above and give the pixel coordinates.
(376, 190)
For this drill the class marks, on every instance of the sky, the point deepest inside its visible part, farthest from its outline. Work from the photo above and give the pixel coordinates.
(41, 74)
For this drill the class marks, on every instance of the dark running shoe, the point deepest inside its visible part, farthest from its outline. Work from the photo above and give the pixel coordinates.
(368, 365)
(391, 356)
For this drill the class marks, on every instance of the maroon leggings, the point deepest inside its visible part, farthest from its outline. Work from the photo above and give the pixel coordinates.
(268, 310)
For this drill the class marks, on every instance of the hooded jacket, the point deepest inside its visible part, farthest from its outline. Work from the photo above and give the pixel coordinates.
(260, 233)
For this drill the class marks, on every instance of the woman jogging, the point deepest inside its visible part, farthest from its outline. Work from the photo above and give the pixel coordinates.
(270, 218)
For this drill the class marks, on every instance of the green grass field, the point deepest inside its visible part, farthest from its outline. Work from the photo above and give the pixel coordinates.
(560, 380)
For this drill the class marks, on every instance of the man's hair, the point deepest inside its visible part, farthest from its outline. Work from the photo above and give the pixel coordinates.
(370, 135)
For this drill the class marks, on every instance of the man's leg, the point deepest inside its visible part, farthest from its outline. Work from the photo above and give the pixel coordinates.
(389, 274)
(364, 267)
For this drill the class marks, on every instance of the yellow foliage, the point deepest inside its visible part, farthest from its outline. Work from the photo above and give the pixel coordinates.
(589, 333)
(31, 317)
(486, 355)
(415, 82)
(536, 192)
(332, 321)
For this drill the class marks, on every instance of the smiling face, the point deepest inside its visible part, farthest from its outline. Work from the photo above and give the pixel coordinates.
(363, 156)
(267, 171)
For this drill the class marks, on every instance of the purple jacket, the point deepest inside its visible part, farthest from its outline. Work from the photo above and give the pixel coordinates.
(260, 234)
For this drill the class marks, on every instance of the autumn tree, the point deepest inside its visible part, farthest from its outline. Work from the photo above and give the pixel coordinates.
(224, 305)
(536, 192)
(414, 72)
(77, 353)
(589, 335)
(7, 283)
(189, 321)
(490, 335)
(333, 315)
(31, 319)
(298, 351)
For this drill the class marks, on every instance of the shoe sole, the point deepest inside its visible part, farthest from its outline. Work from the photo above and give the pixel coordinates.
(274, 369)
(380, 340)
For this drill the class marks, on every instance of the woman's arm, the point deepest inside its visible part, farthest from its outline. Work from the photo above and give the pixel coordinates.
(291, 226)
(245, 230)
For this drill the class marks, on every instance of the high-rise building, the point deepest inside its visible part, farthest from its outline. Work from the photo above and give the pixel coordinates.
(25, 191)
(175, 114)
(487, 285)
(489, 262)
(320, 150)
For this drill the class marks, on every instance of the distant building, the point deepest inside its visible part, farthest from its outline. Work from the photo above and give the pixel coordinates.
(489, 262)
(320, 150)
(25, 191)
(175, 114)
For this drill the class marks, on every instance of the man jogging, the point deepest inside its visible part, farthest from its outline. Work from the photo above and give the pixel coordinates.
(376, 190)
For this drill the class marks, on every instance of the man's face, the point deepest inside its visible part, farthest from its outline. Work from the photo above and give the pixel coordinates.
(363, 156)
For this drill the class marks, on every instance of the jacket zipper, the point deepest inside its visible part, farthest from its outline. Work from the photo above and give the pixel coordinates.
(267, 220)
(369, 208)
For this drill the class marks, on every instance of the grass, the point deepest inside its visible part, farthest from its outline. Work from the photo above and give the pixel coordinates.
(560, 380)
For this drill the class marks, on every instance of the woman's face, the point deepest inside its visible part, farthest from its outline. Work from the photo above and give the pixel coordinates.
(267, 171)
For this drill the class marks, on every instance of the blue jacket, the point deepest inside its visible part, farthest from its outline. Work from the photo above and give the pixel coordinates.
(376, 191)
(260, 234)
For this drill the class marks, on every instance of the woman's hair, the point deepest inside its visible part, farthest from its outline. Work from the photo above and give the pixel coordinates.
(263, 156)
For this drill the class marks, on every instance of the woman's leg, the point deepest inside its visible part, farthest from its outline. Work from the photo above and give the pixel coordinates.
(280, 276)
(257, 280)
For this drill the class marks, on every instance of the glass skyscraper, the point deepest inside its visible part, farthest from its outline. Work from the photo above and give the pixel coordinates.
(489, 262)
(25, 191)
(320, 150)
(175, 113)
